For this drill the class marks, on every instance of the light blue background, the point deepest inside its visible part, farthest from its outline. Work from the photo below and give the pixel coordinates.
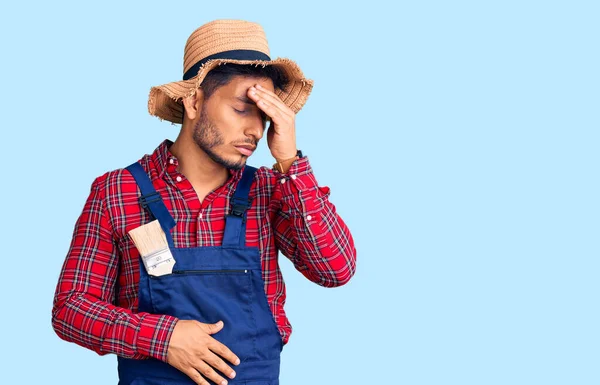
(459, 140)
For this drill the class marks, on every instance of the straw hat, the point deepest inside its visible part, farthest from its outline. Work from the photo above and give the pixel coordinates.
(216, 43)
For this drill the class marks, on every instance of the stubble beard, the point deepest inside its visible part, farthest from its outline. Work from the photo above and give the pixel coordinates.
(207, 137)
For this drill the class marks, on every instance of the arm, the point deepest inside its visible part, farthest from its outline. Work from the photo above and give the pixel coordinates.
(307, 228)
(83, 310)
(309, 231)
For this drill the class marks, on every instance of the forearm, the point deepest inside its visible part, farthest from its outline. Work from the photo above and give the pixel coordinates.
(311, 233)
(104, 328)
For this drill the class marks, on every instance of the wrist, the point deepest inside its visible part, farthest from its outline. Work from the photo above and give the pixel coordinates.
(283, 165)
(279, 157)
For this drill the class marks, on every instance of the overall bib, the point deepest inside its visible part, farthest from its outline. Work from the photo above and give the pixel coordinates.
(209, 284)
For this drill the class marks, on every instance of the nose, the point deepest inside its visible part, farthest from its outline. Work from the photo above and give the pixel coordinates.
(256, 126)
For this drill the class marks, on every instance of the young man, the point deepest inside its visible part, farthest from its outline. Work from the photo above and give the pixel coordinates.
(220, 313)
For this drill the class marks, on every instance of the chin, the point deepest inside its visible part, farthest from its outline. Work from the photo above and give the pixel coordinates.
(235, 163)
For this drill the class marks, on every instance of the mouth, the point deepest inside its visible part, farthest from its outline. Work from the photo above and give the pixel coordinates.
(246, 149)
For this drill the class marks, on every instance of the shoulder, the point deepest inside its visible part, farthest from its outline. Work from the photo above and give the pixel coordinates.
(118, 181)
(119, 193)
(117, 188)
(114, 183)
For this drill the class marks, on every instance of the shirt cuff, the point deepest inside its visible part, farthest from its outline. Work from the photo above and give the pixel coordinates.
(301, 178)
(301, 196)
(154, 335)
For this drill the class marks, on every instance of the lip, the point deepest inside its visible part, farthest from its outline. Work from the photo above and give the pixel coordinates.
(245, 150)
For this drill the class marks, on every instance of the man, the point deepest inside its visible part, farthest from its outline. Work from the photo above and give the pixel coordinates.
(220, 313)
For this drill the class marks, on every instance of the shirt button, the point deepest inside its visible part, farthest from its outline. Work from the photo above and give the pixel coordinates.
(308, 217)
(294, 177)
(200, 215)
(282, 181)
(171, 161)
(178, 179)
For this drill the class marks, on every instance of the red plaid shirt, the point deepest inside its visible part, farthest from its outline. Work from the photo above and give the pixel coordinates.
(96, 300)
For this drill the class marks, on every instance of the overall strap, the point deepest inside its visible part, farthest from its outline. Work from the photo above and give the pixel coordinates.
(235, 221)
(151, 200)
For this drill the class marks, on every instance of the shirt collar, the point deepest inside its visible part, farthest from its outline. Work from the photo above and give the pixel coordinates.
(162, 158)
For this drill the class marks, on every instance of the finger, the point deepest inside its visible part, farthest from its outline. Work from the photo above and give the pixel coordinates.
(217, 363)
(222, 350)
(195, 376)
(204, 369)
(276, 115)
(272, 96)
(269, 97)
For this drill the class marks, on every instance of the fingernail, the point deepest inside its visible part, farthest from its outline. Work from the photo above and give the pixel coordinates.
(224, 382)
(232, 374)
(258, 86)
(252, 88)
(237, 362)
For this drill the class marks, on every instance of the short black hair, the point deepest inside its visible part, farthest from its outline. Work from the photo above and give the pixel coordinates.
(221, 76)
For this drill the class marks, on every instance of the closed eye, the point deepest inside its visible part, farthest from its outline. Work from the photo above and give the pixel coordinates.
(263, 116)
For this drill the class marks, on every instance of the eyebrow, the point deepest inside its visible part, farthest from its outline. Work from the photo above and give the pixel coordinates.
(245, 99)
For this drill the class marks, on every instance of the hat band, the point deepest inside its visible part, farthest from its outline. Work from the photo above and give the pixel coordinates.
(236, 54)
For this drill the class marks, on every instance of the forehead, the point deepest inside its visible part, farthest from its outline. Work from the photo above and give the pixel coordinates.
(238, 85)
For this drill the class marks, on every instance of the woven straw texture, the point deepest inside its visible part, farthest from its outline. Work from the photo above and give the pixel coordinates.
(165, 101)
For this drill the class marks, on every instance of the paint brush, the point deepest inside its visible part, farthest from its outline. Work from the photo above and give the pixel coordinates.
(152, 244)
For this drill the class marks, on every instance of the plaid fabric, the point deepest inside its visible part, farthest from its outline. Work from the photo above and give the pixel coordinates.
(95, 303)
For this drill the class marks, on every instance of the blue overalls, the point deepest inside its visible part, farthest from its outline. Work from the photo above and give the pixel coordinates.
(209, 284)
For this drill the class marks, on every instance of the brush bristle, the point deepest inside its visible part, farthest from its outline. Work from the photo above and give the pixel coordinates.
(149, 238)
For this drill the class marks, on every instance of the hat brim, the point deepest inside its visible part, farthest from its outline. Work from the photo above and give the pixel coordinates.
(165, 101)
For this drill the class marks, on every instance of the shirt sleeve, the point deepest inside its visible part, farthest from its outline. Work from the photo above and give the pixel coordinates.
(83, 310)
(308, 229)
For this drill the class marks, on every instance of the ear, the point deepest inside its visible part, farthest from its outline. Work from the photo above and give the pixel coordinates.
(193, 104)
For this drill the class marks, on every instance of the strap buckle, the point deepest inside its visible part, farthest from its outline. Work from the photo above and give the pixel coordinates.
(239, 206)
(146, 200)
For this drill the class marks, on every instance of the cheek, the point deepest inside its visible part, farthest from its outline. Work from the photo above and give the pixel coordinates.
(228, 123)
(231, 117)
(220, 118)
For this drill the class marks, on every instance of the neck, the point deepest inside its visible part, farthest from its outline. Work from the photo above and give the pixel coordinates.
(195, 164)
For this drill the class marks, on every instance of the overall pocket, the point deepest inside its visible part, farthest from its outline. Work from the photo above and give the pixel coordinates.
(210, 296)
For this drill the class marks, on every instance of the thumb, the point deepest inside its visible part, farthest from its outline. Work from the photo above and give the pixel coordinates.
(213, 328)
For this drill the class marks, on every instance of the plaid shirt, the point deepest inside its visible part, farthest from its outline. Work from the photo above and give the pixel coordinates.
(96, 299)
